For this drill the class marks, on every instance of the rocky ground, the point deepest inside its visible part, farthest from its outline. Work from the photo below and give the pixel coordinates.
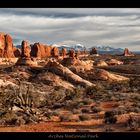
(92, 93)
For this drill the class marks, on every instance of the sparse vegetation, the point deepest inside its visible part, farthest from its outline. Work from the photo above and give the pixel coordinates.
(84, 117)
(110, 117)
(133, 123)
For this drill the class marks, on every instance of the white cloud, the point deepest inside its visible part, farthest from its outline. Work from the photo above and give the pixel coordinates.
(115, 27)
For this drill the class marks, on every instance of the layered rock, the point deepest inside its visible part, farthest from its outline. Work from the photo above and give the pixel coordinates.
(93, 51)
(71, 53)
(114, 62)
(100, 63)
(40, 50)
(17, 52)
(64, 52)
(25, 51)
(55, 52)
(105, 75)
(6, 46)
(127, 53)
(66, 73)
(77, 53)
(25, 58)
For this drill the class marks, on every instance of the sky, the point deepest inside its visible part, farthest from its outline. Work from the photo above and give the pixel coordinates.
(116, 27)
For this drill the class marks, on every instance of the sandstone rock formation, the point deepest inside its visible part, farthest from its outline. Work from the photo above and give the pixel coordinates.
(71, 53)
(55, 52)
(127, 53)
(105, 75)
(40, 50)
(26, 61)
(93, 51)
(113, 62)
(67, 74)
(64, 52)
(17, 52)
(100, 63)
(6, 46)
(25, 55)
(77, 53)
(25, 51)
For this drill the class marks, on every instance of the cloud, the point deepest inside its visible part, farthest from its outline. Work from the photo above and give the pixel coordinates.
(94, 26)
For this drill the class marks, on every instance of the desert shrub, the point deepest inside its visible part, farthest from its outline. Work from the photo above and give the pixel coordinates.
(57, 105)
(55, 98)
(132, 123)
(81, 104)
(122, 86)
(76, 111)
(110, 117)
(71, 104)
(84, 117)
(87, 101)
(96, 109)
(65, 118)
(120, 111)
(55, 113)
(133, 109)
(94, 89)
(85, 110)
(74, 95)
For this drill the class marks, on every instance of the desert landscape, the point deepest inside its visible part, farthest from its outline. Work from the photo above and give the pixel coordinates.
(47, 89)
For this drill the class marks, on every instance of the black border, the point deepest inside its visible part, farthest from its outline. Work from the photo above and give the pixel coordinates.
(70, 4)
(70, 135)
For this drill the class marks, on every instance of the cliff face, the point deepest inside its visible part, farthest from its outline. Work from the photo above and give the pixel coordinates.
(6, 46)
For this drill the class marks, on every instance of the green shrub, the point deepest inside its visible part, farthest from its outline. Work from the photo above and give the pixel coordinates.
(133, 123)
(85, 110)
(84, 117)
(96, 109)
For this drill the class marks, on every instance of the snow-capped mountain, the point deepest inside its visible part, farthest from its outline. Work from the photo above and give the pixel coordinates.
(75, 47)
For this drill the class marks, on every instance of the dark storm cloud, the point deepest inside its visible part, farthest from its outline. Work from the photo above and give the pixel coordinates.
(88, 26)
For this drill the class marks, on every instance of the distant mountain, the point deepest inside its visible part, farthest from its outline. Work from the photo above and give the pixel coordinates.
(100, 49)
(75, 47)
(107, 50)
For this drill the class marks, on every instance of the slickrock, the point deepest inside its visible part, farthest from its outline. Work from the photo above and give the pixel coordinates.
(100, 63)
(114, 62)
(105, 75)
(67, 74)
